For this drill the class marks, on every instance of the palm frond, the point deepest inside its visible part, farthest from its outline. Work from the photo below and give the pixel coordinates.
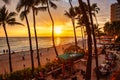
(7, 1)
(37, 2)
(22, 15)
(40, 9)
(3, 13)
(77, 26)
(11, 20)
(20, 5)
(67, 14)
(72, 12)
(53, 5)
(43, 2)
(12, 14)
(77, 10)
(15, 23)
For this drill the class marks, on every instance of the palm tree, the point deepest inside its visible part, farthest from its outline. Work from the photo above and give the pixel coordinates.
(71, 14)
(49, 4)
(7, 17)
(80, 23)
(112, 28)
(88, 29)
(94, 39)
(26, 5)
(107, 28)
(34, 9)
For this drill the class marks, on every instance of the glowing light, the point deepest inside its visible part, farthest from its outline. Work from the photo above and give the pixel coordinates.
(58, 30)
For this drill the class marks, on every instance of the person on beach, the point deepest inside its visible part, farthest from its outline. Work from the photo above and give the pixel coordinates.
(23, 57)
(40, 54)
(4, 51)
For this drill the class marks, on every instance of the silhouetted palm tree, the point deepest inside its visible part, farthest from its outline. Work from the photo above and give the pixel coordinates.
(34, 9)
(48, 4)
(7, 17)
(26, 5)
(71, 14)
(80, 22)
(88, 29)
(94, 39)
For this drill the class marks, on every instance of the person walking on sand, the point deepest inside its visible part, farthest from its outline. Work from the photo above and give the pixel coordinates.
(23, 57)
(4, 51)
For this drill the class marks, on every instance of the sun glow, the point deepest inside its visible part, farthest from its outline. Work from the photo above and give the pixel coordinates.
(58, 30)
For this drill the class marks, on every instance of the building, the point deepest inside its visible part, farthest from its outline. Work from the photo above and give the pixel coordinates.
(115, 12)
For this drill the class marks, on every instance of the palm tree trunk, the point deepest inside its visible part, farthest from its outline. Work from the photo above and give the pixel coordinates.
(10, 62)
(74, 34)
(82, 38)
(73, 22)
(94, 39)
(52, 28)
(30, 43)
(36, 40)
(89, 40)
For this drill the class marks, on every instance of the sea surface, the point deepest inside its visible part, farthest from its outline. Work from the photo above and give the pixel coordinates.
(22, 43)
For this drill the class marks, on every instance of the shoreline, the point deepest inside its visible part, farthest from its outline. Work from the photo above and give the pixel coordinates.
(18, 62)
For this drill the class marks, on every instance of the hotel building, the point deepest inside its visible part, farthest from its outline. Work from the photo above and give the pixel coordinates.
(115, 12)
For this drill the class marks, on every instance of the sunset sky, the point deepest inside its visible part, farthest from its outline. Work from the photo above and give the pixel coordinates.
(63, 25)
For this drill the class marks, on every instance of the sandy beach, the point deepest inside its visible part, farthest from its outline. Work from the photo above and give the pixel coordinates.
(19, 63)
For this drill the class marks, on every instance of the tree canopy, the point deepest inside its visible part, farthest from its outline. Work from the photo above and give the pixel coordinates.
(112, 28)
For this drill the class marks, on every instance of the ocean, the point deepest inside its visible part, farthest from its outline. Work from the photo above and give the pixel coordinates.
(22, 43)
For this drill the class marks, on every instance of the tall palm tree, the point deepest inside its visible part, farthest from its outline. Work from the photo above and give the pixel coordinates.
(80, 23)
(7, 17)
(34, 9)
(32, 5)
(49, 4)
(94, 39)
(89, 40)
(36, 40)
(71, 14)
(26, 5)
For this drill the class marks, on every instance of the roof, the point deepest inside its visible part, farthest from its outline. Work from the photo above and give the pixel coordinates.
(70, 55)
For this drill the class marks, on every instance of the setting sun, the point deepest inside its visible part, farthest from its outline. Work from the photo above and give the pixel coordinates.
(58, 30)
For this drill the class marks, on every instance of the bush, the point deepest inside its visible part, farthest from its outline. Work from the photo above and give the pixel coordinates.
(19, 75)
(26, 74)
